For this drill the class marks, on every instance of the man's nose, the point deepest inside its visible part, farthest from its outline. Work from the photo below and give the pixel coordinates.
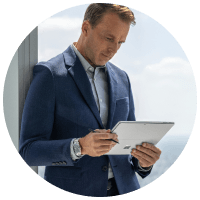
(113, 47)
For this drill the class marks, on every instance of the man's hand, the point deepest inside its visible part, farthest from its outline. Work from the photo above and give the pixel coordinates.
(95, 144)
(147, 154)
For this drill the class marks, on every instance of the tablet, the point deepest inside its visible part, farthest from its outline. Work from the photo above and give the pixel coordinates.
(132, 133)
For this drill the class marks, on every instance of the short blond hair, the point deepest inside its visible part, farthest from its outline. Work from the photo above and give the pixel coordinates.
(96, 11)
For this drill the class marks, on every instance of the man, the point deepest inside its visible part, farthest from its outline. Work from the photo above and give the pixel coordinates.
(80, 90)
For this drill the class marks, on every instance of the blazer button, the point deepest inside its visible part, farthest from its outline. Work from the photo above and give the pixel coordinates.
(104, 168)
(60, 163)
(64, 163)
(53, 163)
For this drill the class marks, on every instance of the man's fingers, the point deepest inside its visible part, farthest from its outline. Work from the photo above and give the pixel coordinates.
(103, 136)
(105, 142)
(142, 161)
(147, 153)
(99, 151)
(151, 147)
(102, 130)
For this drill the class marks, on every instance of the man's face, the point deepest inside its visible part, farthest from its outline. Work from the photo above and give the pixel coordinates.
(102, 42)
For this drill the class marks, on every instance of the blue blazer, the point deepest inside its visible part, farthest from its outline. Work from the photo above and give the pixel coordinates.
(60, 106)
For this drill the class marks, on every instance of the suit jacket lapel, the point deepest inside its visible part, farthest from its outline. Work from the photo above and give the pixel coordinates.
(112, 91)
(79, 75)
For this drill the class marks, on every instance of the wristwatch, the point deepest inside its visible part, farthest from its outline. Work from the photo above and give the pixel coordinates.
(76, 147)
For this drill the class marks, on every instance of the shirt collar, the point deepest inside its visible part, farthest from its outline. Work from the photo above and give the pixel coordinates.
(84, 62)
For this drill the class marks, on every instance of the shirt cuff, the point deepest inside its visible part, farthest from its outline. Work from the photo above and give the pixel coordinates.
(146, 169)
(73, 155)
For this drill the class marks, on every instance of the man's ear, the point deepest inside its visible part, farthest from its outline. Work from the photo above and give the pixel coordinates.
(85, 27)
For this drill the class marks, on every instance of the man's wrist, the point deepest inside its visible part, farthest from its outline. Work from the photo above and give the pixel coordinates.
(146, 169)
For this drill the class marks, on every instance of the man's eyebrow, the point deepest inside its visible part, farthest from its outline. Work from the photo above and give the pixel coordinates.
(110, 35)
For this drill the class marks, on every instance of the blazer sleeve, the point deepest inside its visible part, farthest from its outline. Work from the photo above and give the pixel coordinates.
(131, 117)
(35, 145)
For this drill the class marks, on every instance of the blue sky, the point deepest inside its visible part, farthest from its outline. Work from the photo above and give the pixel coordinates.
(160, 73)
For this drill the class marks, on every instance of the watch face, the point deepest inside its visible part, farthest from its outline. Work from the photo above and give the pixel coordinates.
(77, 149)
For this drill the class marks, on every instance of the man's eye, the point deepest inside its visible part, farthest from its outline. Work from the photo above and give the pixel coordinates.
(111, 40)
